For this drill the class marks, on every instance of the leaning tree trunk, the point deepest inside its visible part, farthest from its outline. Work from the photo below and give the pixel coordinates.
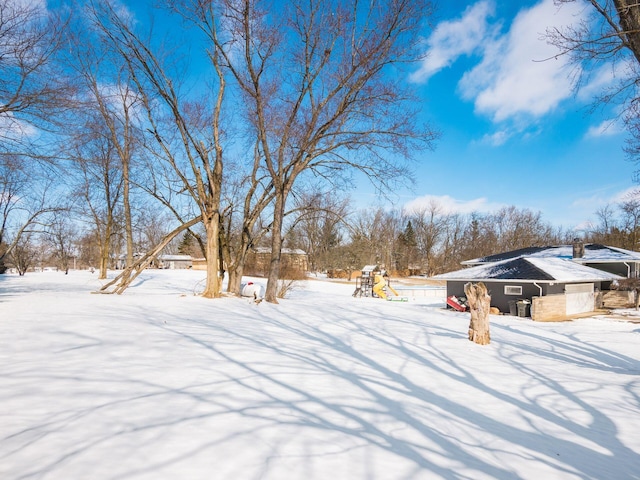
(479, 305)
(129, 274)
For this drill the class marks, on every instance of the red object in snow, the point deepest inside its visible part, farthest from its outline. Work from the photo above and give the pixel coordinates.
(453, 302)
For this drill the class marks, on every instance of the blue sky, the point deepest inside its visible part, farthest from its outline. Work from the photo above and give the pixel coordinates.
(514, 132)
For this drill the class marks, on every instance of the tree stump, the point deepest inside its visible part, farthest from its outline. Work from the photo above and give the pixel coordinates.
(479, 302)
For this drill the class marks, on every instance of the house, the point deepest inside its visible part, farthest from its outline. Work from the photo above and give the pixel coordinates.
(120, 262)
(174, 262)
(294, 263)
(161, 261)
(557, 281)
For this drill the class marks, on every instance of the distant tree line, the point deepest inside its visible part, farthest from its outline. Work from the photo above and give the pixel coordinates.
(429, 241)
(342, 238)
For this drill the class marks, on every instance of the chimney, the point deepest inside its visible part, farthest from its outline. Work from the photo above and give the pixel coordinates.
(578, 248)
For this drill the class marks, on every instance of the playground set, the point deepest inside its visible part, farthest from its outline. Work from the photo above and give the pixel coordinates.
(374, 282)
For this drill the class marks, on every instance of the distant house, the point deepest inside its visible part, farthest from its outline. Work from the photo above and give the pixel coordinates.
(294, 263)
(174, 262)
(121, 260)
(199, 263)
(558, 281)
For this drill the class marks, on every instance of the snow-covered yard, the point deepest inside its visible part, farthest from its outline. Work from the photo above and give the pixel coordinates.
(161, 384)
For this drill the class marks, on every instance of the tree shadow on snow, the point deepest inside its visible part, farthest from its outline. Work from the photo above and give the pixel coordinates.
(386, 385)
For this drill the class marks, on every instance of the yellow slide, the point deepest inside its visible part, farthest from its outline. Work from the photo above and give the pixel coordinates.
(380, 282)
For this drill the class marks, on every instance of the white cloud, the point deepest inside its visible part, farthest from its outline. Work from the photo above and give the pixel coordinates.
(14, 129)
(598, 81)
(496, 139)
(515, 78)
(30, 4)
(607, 128)
(600, 198)
(451, 39)
(626, 195)
(449, 205)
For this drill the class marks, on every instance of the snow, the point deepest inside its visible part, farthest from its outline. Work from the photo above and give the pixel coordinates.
(159, 383)
(593, 253)
(568, 271)
(556, 269)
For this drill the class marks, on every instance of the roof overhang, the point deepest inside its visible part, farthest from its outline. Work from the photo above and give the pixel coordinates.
(550, 282)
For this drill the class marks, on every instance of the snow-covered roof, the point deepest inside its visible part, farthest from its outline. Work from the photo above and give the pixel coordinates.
(173, 258)
(593, 253)
(531, 269)
(290, 251)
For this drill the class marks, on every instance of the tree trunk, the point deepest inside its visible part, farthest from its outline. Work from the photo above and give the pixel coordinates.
(128, 224)
(236, 265)
(214, 282)
(235, 279)
(104, 251)
(629, 15)
(479, 305)
(236, 270)
(271, 293)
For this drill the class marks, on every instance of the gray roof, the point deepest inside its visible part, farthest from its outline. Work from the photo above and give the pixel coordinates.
(531, 269)
(593, 253)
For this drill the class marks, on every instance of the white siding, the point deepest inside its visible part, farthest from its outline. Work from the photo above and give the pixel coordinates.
(580, 298)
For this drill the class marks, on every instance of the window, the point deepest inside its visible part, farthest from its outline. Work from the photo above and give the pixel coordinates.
(512, 290)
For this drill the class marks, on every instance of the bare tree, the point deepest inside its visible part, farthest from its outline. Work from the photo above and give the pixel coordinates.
(337, 107)
(320, 215)
(630, 208)
(191, 145)
(31, 88)
(13, 183)
(23, 254)
(61, 236)
(26, 197)
(601, 232)
(98, 183)
(87, 251)
(519, 228)
(247, 195)
(429, 224)
(608, 35)
(30, 95)
(109, 95)
(453, 244)
(373, 238)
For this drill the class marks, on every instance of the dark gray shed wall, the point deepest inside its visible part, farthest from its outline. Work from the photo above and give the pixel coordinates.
(496, 290)
(501, 301)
